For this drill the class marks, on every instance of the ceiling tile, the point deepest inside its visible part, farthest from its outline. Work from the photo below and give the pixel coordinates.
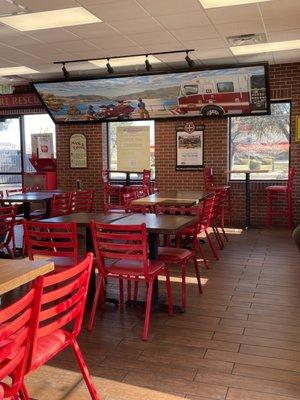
(115, 41)
(92, 30)
(219, 61)
(39, 49)
(212, 53)
(158, 47)
(195, 32)
(278, 8)
(291, 34)
(53, 35)
(159, 7)
(250, 58)
(240, 28)
(205, 44)
(18, 40)
(183, 20)
(283, 23)
(38, 5)
(136, 25)
(150, 38)
(77, 45)
(234, 14)
(116, 11)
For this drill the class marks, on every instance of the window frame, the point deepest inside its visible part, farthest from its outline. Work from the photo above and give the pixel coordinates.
(290, 141)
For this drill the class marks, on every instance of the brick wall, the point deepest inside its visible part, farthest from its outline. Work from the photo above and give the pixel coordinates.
(284, 83)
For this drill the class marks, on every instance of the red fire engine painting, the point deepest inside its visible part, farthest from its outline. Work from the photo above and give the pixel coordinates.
(225, 91)
(189, 146)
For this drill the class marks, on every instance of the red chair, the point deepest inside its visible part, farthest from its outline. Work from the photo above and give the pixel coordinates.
(82, 201)
(17, 326)
(127, 247)
(209, 185)
(54, 240)
(60, 204)
(7, 234)
(145, 186)
(60, 317)
(204, 222)
(281, 193)
(110, 191)
(178, 255)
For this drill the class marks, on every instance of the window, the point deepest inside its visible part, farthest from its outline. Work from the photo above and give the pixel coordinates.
(131, 152)
(15, 146)
(224, 87)
(190, 89)
(261, 143)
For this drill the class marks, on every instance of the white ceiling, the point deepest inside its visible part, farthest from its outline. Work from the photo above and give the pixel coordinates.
(142, 26)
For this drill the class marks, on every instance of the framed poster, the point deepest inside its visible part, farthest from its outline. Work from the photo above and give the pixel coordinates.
(297, 135)
(189, 144)
(78, 151)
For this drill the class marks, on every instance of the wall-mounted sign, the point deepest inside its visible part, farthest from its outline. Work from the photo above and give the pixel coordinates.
(41, 145)
(26, 100)
(189, 141)
(78, 151)
(297, 134)
(133, 148)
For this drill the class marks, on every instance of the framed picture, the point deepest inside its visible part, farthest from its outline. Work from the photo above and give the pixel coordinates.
(189, 144)
(78, 151)
(297, 134)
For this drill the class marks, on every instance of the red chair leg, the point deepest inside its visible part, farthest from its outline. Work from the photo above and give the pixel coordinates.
(169, 292)
(84, 370)
(202, 253)
(23, 393)
(98, 293)
(197, 274)
(148, 310)
(213, 250)
(218, 236)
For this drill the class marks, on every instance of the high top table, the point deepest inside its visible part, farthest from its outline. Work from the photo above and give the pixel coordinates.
(247, 173)
(15, 273)
(32, 197)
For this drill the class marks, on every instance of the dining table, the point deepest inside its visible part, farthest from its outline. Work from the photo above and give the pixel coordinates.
(247, 173)
(32, 197)
(15, 273)
(155, 225)
(172, 197)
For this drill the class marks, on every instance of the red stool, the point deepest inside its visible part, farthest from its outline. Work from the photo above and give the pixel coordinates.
(209, 184)
(281, 193)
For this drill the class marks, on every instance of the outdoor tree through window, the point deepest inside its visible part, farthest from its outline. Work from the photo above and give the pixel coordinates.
(261, 143)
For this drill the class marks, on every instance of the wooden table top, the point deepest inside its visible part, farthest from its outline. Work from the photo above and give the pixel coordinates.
(30, 197)
(172, 197)
(83, 219)
(161, 223)
(14, 273)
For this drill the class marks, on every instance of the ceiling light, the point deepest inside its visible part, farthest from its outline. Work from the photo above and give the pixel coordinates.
(224, 3)
(110, 69)
(266, 47)
(147, 64)
(50, 19)
(190, 62)
(17, 71)
(65, 72)
(126, 61)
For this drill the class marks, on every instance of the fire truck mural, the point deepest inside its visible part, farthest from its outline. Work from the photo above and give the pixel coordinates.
(211, 93)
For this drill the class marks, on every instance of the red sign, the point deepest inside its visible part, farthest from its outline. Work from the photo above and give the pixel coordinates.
(25, 100)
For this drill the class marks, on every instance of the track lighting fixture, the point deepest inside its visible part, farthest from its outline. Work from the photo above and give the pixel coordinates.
(65, 72)
(189, 61)
(110, 69)
(147, 64)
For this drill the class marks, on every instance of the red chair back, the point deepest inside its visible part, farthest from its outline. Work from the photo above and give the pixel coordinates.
(60, 204)
(51, 239)
(291, 176)
(62, 302)
(208, 209)
(82, 201)
(7, 221)
(208, 178)
(115, 242)
(17, 324)
(220, 197)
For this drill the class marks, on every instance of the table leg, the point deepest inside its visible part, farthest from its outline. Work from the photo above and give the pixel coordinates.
(153, 249)
(248, 201)
(127, 178)
(48, 208)
(26, 210)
